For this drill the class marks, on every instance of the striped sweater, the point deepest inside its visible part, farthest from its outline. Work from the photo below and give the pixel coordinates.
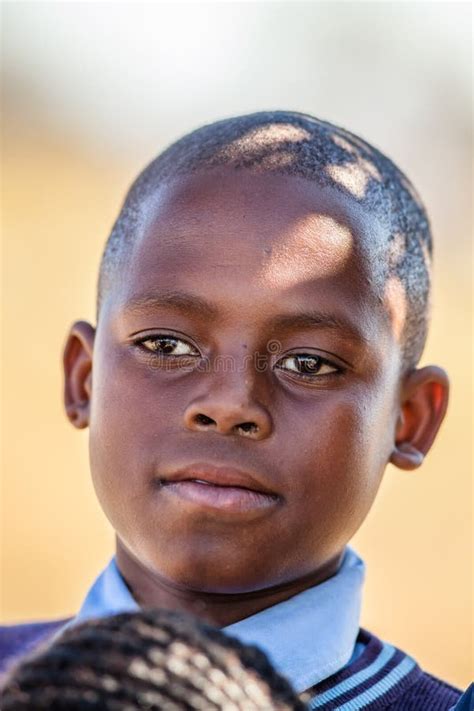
(382, 677)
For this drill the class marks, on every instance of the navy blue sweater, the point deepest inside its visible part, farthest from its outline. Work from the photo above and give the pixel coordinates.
(382, 677)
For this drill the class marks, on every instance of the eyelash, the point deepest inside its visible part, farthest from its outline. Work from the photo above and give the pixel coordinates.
(318, 361)
(165, 337)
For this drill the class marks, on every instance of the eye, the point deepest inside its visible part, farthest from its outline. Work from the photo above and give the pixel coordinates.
(163, 345)
(307, 365)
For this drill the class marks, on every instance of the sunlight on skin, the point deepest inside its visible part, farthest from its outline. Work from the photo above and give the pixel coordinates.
(394, 298)
(354, 176)
(426, 257)
(395, 302)
(394, 293)
(276, 160)
(345, 145)
(313, 234)
(397, 250)
(351, 142)
(351, 177)
(265, 137)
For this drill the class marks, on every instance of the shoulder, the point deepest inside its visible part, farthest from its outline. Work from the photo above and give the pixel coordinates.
(430, 693)
(407, 687)
(384, 678)
(18, 640)
(466, 702)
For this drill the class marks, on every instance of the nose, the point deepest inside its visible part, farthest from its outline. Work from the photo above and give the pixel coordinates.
(227, 413)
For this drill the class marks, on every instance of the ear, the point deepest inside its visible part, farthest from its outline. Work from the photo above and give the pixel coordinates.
(424, 399)
(77, 361)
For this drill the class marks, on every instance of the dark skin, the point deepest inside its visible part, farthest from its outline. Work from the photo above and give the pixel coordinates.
(316, 422)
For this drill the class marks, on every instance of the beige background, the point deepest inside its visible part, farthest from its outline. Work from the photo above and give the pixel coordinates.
(92, 92)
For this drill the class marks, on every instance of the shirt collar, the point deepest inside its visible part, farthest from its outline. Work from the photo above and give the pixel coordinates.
(308, 637)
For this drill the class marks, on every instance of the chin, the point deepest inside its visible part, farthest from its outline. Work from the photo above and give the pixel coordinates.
(206, 574)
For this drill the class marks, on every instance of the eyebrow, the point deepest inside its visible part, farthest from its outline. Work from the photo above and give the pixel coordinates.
(317, 320)
(178, 300)
(193, 304)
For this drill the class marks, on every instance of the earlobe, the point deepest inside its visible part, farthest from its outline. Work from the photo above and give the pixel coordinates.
(406, 456)
(424, 400)
(77, 362)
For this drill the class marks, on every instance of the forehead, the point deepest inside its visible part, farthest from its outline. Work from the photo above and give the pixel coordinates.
(282, 218)
(239, 238)
(242, 199)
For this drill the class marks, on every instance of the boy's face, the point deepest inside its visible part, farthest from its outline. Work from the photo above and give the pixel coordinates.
(294, 345)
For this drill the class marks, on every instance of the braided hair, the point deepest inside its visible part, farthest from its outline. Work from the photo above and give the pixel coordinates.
(152, 659)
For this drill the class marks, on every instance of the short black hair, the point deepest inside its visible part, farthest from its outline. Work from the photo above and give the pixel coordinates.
(291, 143)
(151, 659)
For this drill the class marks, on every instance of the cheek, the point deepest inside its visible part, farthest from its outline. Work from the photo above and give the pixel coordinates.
(127, 417)
(336, 428)
(342, 459)
(131, 402)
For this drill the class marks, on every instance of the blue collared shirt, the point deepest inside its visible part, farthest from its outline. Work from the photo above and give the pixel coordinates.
(308, 637)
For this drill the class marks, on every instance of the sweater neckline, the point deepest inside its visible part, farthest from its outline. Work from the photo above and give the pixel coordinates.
(376, 678)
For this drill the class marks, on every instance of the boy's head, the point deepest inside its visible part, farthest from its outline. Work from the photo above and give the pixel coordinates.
(291, 144)
(153, 660)
(262, 307)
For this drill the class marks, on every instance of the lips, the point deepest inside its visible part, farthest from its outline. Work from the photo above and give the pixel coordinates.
(225, 488)
(219, 476)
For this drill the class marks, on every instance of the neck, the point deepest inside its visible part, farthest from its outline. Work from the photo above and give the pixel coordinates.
(149, 589)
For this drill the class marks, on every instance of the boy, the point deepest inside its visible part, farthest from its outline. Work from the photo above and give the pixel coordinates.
(262, 306)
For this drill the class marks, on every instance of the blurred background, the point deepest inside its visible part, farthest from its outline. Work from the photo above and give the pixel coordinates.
(93, 91)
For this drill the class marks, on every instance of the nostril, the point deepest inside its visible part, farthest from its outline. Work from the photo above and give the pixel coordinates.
(247, 427)
(204, 420)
